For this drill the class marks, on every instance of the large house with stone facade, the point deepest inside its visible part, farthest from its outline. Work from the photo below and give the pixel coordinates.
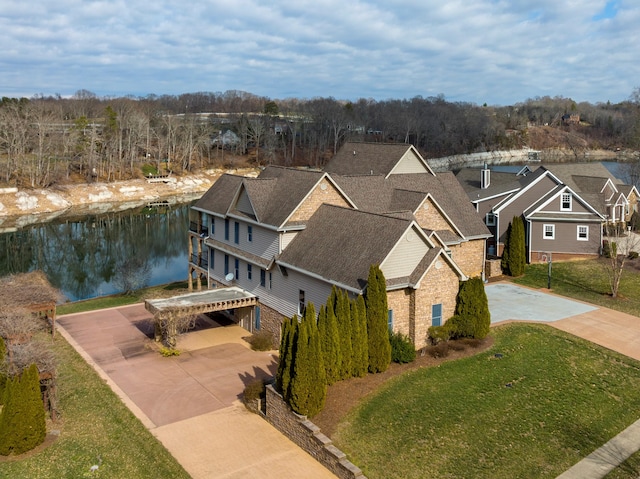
(289, 235)
(564, 206)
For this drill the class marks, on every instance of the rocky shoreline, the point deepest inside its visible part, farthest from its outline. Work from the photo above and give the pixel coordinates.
(20, 208)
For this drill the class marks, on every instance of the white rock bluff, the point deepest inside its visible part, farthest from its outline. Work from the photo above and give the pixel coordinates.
(19, 208)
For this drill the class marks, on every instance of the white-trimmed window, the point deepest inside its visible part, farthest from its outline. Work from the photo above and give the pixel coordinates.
(582, 233)
(565, 202)
(549, 231)
(490, 219)
(302, 303)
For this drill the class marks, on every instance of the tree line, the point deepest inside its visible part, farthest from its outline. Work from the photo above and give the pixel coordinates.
(46, 140)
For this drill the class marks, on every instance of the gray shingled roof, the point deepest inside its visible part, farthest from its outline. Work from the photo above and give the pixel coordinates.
(340, 244)
(219, 197)
(500, 182)
(287, 193)
(366, 158)
(447, 192)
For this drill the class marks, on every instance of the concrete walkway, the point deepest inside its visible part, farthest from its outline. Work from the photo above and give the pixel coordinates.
(191, 402)
(612, 329)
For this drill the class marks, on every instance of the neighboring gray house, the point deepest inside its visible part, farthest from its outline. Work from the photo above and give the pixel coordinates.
(289, 235)
(564, 206)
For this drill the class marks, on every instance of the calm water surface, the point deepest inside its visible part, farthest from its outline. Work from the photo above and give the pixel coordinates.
(85, 256)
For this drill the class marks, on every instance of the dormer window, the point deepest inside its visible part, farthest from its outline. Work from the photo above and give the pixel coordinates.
(565, 202)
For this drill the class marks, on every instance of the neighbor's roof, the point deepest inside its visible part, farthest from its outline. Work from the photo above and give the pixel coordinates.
(500, 183)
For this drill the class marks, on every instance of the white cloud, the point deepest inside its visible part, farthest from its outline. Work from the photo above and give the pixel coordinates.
(494, 51)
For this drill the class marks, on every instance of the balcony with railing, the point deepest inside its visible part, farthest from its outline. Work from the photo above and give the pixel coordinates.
(201, 262)
(198, 229)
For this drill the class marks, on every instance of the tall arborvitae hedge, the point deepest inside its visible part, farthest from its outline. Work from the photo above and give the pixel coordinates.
(328, 330)
(359, 340)
(343, 315)
(287, 353)
(22, 419)
(3, 376)
(517, 247)
(514, 255)
(472, 317)
(377, 325)
(308, 386)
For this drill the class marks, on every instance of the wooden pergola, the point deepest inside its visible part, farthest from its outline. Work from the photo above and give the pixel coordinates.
(167, 310)
(31, 292)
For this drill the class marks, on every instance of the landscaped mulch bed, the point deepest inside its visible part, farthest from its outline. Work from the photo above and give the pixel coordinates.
(344, 395)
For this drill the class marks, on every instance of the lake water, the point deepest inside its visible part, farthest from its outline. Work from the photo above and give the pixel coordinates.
(86, 257)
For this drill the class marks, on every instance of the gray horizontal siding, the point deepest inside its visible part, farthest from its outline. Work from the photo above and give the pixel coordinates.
(565, 238)
(283, 292)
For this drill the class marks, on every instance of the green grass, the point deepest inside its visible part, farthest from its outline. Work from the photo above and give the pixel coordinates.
(549, 401)
(122, 299)
(586, 281)
(94, 423)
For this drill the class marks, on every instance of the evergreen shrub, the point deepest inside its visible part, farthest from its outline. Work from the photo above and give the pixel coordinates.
(402, 350)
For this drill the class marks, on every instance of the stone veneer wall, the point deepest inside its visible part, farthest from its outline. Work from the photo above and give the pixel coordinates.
(308, 436)
(493, 268)
(325, 192)
(271, 320)
(469, 257)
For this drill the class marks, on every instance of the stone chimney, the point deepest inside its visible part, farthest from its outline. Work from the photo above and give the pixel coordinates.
(485, 177)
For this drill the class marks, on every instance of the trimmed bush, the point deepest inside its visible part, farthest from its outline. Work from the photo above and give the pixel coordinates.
(253, 391)
(22, 419)
(472, 308)
(633, 254)
(438, 334)
(261, 341)
(402, 350)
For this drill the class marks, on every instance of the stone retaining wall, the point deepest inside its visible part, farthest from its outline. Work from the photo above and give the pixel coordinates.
(455, 162)
(308, 436)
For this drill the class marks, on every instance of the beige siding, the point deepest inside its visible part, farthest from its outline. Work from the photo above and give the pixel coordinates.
(429, 216)
(405, 256)
(409, 163)
(469, 257)
(324, 192)
(287, 238)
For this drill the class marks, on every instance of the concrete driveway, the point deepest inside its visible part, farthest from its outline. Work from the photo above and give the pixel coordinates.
(190, 402)
(612, 329)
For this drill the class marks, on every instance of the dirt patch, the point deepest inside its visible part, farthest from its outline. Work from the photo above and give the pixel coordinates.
(345, 395)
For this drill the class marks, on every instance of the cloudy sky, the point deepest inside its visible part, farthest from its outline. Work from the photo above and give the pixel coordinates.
(495, 51)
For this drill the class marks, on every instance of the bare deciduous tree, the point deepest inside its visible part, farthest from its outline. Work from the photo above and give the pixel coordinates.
(620, 244)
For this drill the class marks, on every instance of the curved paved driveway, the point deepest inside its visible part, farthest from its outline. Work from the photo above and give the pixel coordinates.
(612, 329)
(191, 402)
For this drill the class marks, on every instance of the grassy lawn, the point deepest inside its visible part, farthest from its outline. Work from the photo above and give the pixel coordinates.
(587, 281)
(123, 299)
(94, 423)
(546, 403)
